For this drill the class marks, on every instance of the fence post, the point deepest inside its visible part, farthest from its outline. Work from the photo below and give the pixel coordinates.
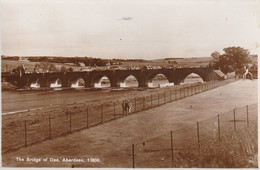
(198, 134)
(87, 118)
(50, 126)
(170, 95)
(143, 103)
(135, 104)
(114, 110)
(247, 120)
(133, 154)
(151, 100)
(25, 132)
(172, 146)
(234, 113)
(218, 129)
(102, 113)
(180, 92)
(123, 110)
(158, 99)
(184, 95)
(175, 94)
(164, 97)
(70, 123)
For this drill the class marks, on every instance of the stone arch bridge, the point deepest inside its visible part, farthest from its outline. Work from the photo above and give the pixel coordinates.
(143, 76)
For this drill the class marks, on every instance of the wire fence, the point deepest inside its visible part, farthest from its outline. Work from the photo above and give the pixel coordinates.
(168, 150)
(23, 129)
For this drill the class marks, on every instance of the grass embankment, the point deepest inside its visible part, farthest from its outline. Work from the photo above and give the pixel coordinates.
(232, 149)
(8, 86)
(237, 149)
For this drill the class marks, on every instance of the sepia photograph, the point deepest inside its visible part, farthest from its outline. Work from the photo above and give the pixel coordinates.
(129, 83)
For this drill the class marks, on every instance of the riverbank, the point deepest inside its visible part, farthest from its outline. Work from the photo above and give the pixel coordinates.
(54, 121)
(104, 140)
(7, 86)
(25, 99)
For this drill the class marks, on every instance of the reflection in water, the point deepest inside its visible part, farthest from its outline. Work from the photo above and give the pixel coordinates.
(78, 84)
(56, 84)
(104, 82)
(159, 81)
(192, 78)
(35, 85)
(123, 84)
(160, 84)
(130, 81)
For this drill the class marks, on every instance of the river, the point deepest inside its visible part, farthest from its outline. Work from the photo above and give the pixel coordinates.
(19, 100)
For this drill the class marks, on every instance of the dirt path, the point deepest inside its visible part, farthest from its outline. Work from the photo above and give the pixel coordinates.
(101, 141)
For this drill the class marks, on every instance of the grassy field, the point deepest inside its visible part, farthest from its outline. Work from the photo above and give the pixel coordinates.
(229, 149)
(8, 65)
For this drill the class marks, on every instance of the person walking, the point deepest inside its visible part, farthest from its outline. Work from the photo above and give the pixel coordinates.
(126, 107)
(123, 107)
(129, 106)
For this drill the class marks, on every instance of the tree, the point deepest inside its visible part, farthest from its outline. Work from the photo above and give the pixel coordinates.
(70, 69)
(45, 67)
(215, 55)
(63, 69)
(234, 59)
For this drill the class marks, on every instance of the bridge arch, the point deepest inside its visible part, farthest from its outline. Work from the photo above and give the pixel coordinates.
(77, 81)
(101, 80)
(192, 78)
(187, 73)
(150, 79)
(54, 81)
(128, 80)
(33, 82)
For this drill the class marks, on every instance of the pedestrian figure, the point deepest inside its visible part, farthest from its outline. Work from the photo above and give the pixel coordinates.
(129, 106)
(125, 107)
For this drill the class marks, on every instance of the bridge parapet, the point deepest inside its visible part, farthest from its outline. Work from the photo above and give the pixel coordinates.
(143, 76)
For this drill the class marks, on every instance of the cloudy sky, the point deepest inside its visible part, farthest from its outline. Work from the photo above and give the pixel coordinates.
(128, 28)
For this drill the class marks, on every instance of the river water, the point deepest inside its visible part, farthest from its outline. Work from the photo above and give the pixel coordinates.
(13, 101)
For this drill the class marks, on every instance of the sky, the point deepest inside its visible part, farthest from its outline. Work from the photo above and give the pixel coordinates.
(147, 29)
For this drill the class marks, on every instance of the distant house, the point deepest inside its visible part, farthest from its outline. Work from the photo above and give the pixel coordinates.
(24, 59)
(82, 64)
(79, 64)
(219, 74)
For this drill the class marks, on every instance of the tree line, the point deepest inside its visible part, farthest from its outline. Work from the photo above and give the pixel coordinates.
(233, 59)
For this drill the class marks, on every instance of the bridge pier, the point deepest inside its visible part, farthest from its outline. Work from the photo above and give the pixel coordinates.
(143, 76)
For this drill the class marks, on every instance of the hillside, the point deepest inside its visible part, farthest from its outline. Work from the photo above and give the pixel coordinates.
(9, 65)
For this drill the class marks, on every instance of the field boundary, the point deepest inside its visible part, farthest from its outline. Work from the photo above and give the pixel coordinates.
(232, 131)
